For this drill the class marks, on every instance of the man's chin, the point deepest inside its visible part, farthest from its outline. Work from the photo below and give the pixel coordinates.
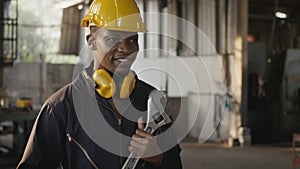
(122, 68)
(122, 71)
(117, 68)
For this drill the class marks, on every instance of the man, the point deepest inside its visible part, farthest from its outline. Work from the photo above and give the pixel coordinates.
(85, 124)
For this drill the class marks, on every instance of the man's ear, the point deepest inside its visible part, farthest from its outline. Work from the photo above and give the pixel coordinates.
(91, 41)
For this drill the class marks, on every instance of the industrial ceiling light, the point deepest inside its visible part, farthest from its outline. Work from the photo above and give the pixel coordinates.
(281, 15)
(80, 7)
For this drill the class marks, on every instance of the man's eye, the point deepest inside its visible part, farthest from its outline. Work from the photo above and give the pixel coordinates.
(132, 40)
(112, 40)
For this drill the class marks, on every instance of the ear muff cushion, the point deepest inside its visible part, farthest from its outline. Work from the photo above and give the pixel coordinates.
(128, 85)
(105, 85)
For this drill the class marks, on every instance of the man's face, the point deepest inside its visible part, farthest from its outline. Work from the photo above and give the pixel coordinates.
(114, 50)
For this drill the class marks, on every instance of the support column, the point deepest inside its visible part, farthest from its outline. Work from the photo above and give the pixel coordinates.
(43, 78)
(153, 24)
(188, 33)
(2, 2)
(207, 25)
(242, 31)
(173, 27)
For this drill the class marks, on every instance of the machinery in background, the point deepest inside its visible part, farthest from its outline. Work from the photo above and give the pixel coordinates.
(291, 82)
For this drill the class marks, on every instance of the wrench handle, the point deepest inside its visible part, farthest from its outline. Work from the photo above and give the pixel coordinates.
(131, 161)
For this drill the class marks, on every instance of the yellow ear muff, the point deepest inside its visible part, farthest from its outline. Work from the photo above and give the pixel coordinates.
(106, 87)
(128, 85)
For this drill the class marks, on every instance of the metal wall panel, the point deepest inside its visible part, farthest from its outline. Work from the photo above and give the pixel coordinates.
(70, 33)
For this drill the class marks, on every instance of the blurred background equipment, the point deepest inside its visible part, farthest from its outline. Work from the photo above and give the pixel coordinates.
(296, 153)
(24, 103)
(8, 31)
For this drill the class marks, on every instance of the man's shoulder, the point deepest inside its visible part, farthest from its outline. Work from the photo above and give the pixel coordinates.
(58, 105)
(62, 96)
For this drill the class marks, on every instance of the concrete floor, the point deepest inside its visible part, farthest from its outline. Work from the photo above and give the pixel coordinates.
(218, 156)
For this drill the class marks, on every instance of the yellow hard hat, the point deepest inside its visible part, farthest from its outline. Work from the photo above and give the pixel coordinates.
(120, 15)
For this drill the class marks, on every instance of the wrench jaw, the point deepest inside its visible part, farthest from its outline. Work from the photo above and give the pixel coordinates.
(159, 120)
(156, 118)
(157, 115)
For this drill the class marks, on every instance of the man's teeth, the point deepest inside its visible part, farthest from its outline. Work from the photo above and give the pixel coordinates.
(122, 60)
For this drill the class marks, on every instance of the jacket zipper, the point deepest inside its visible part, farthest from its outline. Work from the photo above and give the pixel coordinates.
(70, 138)
(118, 115)
(119, 121)
(120, 142)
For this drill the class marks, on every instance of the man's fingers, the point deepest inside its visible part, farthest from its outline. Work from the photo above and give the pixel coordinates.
(134, 150)
(143, 144)
(137, 144)
(143, 147)
(142, 133)
(142, 140)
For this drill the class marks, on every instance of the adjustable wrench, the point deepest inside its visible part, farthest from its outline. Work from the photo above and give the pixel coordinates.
(156, 118)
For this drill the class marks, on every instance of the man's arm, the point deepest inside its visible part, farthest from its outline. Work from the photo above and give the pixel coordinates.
(44, 147)
(171, 159)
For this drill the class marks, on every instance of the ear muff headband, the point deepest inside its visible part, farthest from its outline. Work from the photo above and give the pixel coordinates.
(106, 86)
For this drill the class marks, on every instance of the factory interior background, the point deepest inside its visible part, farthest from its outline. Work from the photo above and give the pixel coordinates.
(243, 56)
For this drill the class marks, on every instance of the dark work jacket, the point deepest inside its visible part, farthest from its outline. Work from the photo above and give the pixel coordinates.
(65, 132)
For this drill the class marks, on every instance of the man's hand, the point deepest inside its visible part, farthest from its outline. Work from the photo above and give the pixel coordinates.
(145, 146)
